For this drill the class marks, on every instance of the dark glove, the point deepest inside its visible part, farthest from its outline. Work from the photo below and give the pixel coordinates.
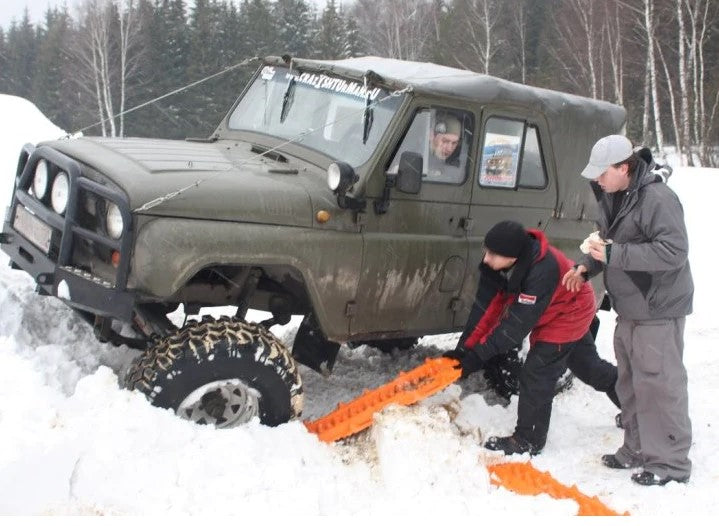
(469, 361)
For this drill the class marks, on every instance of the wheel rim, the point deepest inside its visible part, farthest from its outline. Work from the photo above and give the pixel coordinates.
(223, 403)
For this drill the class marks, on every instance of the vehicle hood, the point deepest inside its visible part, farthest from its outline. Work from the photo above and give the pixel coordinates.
(218, 181)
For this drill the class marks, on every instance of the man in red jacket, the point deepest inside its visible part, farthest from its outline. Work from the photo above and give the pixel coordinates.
(520, 293)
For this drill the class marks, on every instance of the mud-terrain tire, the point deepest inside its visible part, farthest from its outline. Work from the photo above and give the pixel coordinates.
(220, 372)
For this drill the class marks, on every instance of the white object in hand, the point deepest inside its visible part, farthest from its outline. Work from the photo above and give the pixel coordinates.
(594, 236)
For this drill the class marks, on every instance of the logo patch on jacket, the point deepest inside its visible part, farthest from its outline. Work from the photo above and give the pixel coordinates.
(526, 299)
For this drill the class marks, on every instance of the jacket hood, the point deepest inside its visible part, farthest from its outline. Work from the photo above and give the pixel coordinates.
(662, 170)
(543, 243)
(648, 171)
(199, 180)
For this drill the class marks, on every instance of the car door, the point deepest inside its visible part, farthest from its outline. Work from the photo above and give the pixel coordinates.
(415, 254)
(514, 178)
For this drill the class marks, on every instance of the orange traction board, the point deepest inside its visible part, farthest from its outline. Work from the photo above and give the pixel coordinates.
(409, 387)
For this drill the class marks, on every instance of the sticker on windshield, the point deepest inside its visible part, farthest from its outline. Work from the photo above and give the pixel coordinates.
(268, 72)
(337, 85)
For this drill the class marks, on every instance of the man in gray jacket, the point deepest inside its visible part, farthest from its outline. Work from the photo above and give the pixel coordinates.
(642, 249)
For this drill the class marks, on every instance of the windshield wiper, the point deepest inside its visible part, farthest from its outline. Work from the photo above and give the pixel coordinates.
(287, 99)
(367, 120)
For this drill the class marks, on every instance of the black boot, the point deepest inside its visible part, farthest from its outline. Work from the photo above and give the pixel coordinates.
(512, 445)
(647, 478)
(611, 461)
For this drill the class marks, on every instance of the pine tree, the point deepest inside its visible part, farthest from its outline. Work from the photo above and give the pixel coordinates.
(3, 62)
(540, 14)
(260, 29)
(232, 49)
(50, 86)
(205, 58)
(330, 35)
(293, 19)
(353, 46)
(165, 36)
(21, 56)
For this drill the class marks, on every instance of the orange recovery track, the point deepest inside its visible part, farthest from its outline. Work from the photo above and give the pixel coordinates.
(412, 386)
(525, 479)
(409, 387)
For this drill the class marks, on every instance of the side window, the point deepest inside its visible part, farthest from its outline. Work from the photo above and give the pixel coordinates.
(532, 174)
(511, 155)
(442, 136)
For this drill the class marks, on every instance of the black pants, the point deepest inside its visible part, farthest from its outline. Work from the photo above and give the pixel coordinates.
(545, 364)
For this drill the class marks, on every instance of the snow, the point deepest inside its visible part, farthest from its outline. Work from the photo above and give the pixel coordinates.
(74, 443)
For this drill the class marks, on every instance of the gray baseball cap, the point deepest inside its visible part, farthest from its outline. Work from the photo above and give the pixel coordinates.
(607, 151)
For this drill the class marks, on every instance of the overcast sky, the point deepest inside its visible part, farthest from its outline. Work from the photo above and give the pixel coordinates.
(13, 9)
(10, 9)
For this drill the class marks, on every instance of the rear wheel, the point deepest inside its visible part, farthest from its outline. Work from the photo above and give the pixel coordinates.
(220, 372)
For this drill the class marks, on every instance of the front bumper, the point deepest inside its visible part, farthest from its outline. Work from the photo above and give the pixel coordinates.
(52, 265)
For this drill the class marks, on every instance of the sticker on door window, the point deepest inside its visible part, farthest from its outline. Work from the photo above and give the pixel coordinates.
(500, 159)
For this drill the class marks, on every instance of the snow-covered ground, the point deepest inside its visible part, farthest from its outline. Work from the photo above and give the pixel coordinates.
(73, 442)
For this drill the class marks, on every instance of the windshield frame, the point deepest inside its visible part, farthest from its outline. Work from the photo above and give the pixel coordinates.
(337, 93)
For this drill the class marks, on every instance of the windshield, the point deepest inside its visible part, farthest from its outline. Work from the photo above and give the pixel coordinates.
(319, 111)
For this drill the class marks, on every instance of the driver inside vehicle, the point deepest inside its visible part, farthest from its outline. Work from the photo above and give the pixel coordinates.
(445, 136)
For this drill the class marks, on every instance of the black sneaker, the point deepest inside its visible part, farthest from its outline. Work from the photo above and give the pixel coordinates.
(647, 478)
(511, 445)
(611, 461)
(618, 421)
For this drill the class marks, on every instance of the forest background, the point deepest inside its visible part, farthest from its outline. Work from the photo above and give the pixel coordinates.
(85, 68)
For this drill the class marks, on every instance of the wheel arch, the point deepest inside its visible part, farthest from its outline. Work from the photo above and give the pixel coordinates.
(190, 247)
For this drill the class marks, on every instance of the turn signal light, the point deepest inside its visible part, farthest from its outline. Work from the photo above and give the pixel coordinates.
(322, 216)
(115, 258)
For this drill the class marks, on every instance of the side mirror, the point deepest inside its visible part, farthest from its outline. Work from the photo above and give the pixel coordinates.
(408, 179)
(409, 173)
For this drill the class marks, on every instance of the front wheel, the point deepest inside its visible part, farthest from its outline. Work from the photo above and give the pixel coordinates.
(220, 372)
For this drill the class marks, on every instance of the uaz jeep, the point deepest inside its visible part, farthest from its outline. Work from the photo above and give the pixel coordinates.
(312, 197)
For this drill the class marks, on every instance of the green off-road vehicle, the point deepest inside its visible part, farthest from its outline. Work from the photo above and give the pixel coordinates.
(318, 195)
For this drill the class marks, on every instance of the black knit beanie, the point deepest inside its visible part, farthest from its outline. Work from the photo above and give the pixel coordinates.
(506, 238)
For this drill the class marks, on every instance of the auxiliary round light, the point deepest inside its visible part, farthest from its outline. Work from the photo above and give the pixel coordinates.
(39, 181)
(115, 224)
(60, 192)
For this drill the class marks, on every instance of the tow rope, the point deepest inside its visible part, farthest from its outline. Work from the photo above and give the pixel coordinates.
(412, 386)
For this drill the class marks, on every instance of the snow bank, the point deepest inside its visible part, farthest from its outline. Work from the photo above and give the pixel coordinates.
(22, 123)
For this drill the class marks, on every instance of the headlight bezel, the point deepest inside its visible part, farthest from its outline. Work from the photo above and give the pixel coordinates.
(114, 222)
(40, 177)
(60, 192)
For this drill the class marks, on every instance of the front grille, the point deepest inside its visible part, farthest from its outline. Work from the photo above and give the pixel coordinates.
(79, 239)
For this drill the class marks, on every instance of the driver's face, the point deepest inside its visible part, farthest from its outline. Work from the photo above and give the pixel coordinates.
(444, 144)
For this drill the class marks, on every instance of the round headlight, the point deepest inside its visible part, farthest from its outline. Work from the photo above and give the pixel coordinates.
(334, 175)
(60, 192)
(114, 221)
(39, 181)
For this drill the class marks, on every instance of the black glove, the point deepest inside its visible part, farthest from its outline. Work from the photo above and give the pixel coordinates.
(469, 361)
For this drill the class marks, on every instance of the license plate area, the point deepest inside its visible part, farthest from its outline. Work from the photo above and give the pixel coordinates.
(37, 232)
